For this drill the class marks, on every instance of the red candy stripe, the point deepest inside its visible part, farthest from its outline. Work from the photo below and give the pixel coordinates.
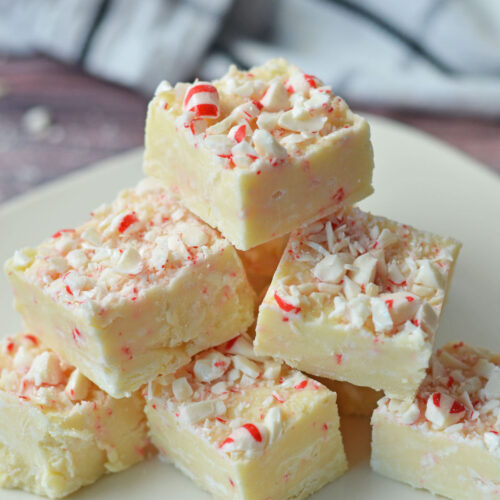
(255, 433)
(285, 305)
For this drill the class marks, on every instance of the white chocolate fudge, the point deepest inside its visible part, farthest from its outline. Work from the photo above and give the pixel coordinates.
(447, 439)
(58, 431)
(246, 428)
(133, 292)
(260, 262)
(260, 152)
(357, 298)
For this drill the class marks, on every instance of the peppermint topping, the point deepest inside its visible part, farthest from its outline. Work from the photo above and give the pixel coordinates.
(229, 394)
(294, 109)
(460, 395)
(35, 373)
(139, 242)
(366, 272)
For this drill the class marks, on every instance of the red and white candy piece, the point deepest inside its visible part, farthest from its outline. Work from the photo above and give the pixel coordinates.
(202, 99)
(239, 132)
(249, 438)
(443, 411)
(301, 82)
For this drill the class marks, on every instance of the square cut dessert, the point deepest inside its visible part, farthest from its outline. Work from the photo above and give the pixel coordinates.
(447, 439)
(133, 292)
(244, 427)
(58, 431)
(260, 152)
(357, 298)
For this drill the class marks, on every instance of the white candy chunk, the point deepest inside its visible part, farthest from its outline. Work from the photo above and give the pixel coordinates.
(22, 258)
(318, 101)
(45, 369)
(274, 423)
(410, 415)
(181, 389)
(163, 86)
(443, 411)
(365, 266)
(59, 264)
(402, 306)
(23, 358)
(272, 370)
(359, 308)
(492, 442)
(191, 413)
(219, 388)
(395, 274)
(247, 366)
(267, 121)
(372, 290)
(266, 145)
(330, 269)
(427, 318)
(298, 119)
(242, 346)
(77, 282)
(492, 387)
(78, 386)
(211, 366)
(159, 256)
(381, 316)
(249, 438)
(386, 238)
(129, 262)
(484, 368)
(193, 236)
(450, 361)
(219, 144)
(428, 274)
(233, 375)
(77, 258)
(351, 289)
(276, 97)
(299, 83)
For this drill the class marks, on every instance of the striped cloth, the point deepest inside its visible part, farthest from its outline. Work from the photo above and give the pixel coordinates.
(435, 55)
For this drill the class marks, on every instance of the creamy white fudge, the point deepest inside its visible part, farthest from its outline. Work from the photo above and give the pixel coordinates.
(447, 439)
(260, 152)
(58, 431)
(357, 298)
(247, 428)
(133, 292)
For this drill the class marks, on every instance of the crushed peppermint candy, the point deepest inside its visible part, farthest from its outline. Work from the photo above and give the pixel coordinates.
(229, 393)
(277, 111)
(365, 271)
(454, 396)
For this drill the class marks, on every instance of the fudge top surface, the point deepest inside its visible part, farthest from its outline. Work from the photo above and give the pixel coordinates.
(38, 376)
(259, 118)
(363, 271)
(459, 396)
(237, 400)
(142, 240)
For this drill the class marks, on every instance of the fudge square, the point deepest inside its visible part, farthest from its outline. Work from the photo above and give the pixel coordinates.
(58, 431)
(133, 292)
(260, 152)
(357, 298)
(247, 428)
(447, 439)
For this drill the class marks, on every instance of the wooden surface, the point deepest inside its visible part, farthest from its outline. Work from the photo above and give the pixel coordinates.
(92, 120)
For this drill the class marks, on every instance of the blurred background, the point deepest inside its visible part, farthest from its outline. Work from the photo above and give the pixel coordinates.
(76, 75)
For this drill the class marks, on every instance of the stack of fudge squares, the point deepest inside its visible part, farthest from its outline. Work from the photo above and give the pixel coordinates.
(218, 312)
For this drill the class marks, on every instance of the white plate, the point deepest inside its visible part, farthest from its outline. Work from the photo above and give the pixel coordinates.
(418, 180)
